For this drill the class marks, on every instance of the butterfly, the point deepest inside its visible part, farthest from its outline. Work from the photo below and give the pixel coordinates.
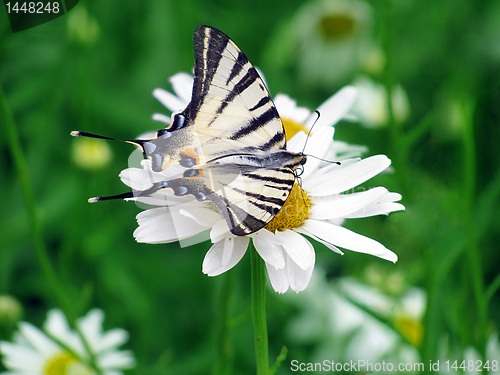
(229, 140)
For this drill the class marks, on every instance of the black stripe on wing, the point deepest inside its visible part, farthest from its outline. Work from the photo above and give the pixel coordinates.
(241, 86)
(277, 140)
(256, 123)
(223, 71)
(239, 221)
(208, 46)
(241, 60)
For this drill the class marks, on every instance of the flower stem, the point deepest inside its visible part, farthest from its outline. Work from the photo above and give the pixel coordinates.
(42, 254)
(17, 154)
(223, 364)
(473, 259)
(258, 283)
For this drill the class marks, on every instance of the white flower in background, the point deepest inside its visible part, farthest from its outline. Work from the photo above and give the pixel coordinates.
(370, 106)
(60, 350)
(327, 42)
(296, 119)
(317, 211)
(335, 319)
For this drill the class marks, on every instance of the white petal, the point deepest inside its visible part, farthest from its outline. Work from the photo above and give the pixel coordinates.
(212, 264)
(227, 251)
(265, 244)
(297, 247)
(21, 358)
(160, 117)
(219, 231)
(334, 180)
(342, 205)
(136, 178)
(296, 144)
(57, 326)
(278, 278)
(112, 339)
(287, 108)
(182, 83)
(163, 225)
(334, 108)
(377, 209)
(318, 145)
(327, 244)
(298, 278)
(382, 206)
(169, 100)
(116, 359)
(38, 340)
(204, 216)
(347, 239)
(91, 326)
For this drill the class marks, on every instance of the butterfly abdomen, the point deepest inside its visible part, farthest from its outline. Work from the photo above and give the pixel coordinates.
(262, 160)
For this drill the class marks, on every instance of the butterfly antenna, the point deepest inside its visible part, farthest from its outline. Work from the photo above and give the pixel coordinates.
(118, 196)
(327, 161)
(310, 130)
(76, 133)
(308, 136)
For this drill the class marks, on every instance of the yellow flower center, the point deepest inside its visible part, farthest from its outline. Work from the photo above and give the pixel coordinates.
(66, 364)
(412, 330)
(294, 211)
(292, 128)
(336, 26)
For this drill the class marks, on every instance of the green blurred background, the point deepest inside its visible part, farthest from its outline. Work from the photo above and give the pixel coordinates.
(94, 70)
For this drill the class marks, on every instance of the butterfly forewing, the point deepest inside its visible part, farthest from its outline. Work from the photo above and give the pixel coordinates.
(229, 98)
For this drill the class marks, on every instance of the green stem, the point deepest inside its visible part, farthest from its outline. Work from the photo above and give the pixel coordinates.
(36, 227)
(16, 151)
(473, 254)
(258, 283)
(223, 363)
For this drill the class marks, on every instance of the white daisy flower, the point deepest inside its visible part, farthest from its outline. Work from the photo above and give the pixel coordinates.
(60, 350)
(327, 42)
(370, 107)
(316, 209)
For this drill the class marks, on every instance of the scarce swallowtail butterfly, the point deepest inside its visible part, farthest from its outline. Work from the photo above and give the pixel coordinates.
(229, 140)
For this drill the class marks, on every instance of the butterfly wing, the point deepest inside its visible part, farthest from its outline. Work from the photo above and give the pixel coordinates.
(230, 103)
(230, 138)
(247, 195)
(230, 109)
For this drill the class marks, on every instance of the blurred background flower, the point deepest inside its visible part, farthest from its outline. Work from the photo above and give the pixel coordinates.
(370, 107)
(357, 321)
(61, 350)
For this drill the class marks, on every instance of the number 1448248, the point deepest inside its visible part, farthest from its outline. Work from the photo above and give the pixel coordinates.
(33, 7)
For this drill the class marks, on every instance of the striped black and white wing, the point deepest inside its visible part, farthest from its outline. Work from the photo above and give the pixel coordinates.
(230, 107)
(247, 197)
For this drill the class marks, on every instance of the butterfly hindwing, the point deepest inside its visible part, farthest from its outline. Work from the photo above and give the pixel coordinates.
(247, 196)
